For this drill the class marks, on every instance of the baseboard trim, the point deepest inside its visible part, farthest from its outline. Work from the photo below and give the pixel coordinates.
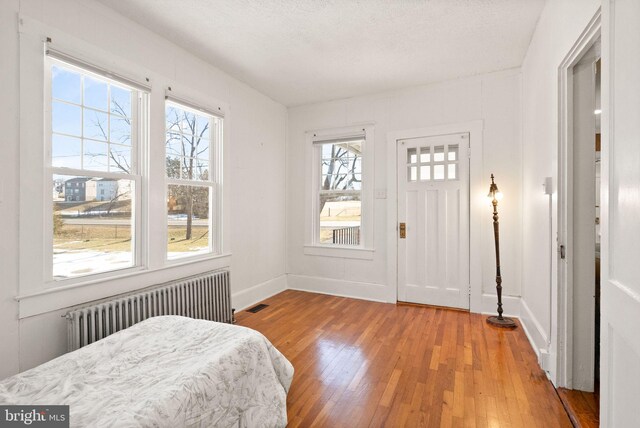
(338, 287)
(249, 297)
(510, 305)
(537, 336)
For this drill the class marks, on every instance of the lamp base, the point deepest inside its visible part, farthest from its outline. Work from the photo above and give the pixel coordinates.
(502, 322)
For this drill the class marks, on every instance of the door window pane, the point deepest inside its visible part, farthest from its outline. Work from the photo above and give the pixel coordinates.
(412, 156)
(452, 173)
(438, 172)
(452, 154)
(438, 154)
(425, 172)
(425, 155)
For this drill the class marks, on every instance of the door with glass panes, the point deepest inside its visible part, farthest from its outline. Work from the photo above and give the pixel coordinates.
(433, 216)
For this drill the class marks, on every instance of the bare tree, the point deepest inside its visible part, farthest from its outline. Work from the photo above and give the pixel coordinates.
(185, 144)
(340, 172)
(118, 159)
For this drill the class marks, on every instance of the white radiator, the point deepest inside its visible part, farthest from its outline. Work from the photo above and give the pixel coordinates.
(206, 296)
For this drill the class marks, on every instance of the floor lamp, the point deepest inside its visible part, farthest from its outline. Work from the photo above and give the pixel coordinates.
(499, 321)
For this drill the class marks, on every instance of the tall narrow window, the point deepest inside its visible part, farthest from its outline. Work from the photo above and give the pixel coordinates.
(339, 191)
(192, 138)
(93, 149)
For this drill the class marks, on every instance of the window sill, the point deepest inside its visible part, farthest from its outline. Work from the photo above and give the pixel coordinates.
(340, 252)
(71, 295)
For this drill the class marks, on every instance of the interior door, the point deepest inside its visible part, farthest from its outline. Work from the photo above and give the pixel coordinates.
(433, 212)
(620, 213)
(584, 227)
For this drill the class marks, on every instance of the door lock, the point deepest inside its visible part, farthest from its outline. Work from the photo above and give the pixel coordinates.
(403, 230)
(563, 252)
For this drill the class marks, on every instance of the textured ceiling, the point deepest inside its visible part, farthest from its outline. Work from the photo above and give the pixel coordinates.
(304, 51)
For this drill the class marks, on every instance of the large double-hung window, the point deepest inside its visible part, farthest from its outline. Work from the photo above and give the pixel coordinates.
(193, 138)
(93, 154)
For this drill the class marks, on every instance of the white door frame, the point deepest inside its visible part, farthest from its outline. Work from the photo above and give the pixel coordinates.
(477, 203)
(562, 311)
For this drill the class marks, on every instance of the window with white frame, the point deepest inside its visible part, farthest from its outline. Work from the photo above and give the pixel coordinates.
(193, 138)
(94, 171)
(338, 198)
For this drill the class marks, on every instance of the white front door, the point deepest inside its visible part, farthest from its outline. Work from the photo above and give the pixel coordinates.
(433, 206)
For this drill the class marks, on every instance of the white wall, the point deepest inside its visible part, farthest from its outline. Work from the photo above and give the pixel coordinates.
(9, 190)
(560, 25)
(257, 129)
(493, 98)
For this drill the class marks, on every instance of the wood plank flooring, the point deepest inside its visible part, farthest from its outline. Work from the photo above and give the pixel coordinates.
(367, 364)
(583, 407)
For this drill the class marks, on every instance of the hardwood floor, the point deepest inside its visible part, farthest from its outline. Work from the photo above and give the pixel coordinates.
(360, 364)
(582, 407)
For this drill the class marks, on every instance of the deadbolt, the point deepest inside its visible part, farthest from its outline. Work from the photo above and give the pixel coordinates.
(403, 230)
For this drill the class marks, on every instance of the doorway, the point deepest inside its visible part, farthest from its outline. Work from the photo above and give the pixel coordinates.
(579, 235)
(433, 216)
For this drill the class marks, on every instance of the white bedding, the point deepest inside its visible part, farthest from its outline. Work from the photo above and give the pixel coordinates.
(166, 371)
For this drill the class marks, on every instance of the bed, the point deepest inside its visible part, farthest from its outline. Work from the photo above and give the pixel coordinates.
(166, 371)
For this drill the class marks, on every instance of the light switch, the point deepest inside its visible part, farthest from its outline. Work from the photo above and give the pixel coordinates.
(381, 193)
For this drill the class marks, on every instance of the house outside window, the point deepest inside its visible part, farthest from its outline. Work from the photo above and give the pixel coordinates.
(93, 138)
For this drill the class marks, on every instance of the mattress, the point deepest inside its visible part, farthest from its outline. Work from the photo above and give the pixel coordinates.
(166, 371)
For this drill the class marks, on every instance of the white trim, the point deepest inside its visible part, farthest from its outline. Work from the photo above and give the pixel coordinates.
(344, 252)
(312, 226)
(338, 287)
(536, 334)
(561, 340)
(64, 297)
(490, 305)
(477, 203)
(246, 298)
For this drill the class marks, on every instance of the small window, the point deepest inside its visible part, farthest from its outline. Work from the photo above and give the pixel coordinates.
(93, 143)
(192, 138)
(432, 164)
(339, 191)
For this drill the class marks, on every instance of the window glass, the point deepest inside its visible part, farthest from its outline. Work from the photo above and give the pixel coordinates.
(92, 225)
(339, 198)
(191, 185)
(93, 214)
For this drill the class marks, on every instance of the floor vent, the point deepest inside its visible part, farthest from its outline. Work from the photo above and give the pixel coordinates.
(257, 308)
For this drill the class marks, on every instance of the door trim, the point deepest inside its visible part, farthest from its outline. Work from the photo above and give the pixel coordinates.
(477, 203)
(561, 340)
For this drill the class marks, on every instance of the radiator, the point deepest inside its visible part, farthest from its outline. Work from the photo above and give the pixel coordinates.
(206, 296)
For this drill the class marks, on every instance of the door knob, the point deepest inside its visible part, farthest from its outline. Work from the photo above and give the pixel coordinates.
(403, 230)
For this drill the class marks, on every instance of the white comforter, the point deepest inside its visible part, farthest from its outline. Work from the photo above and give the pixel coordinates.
(166, 371)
